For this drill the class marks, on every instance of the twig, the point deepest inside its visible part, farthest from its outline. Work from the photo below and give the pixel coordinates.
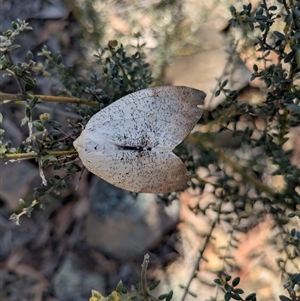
(41, 172)
(32, 155)
(290, 288)
(144, 278)
(111, 45)
(20, 84)
(16, 217)
(227, 250)
(6, 98)
(27, 210)
(200, 257)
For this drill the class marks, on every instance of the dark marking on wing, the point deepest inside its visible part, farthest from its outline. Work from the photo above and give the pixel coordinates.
(134, 148)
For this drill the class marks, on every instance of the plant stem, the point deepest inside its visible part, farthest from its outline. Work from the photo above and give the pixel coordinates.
(144, 277)
(20, 84)
(27, 210)
(201, 252)
(114, 54)
(32, 155)
(6, 97)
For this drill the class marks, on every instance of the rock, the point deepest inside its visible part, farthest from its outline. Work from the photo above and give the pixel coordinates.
(73, 281)
(17, 181)
(124, 227)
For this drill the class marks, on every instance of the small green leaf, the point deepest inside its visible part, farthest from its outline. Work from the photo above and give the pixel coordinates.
(33, 102)
(296, 12)
(284, 298)
(28, 112)
(169, 296)
(12, 150)
(235, 296)
(276, 172)
(49, 159)
(218, 281)
(296, 278)
(70, 70)
(192, 294)
(289, 56)
(236, 281)
(154, 285)
(57, 166)
(38, 125)
(42, 206)
(14, 25)
(232, 9)
(3, 150)
(273, 7)
(24, 120)
(59, 60)
(238, 291)
(13, 47)
(227, 296)
(55, 124)
(162, 297)
(259, 11)
(261, 18)
(227, 287)
(29, 55)
(55, 133)
(279, 35)
(29, 83)
(227, 278)
(225, 82)
(119, 286)
(251, 297)
(22, 203)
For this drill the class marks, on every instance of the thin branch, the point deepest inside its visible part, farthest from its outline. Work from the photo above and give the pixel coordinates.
(20, 84)
(32, 155)
(144, 278)
(200, 257)
(6, 98)
(41, 172)
(27, 210)
(111, 45)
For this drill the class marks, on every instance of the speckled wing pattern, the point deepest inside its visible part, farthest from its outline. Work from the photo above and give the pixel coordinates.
(129, 143)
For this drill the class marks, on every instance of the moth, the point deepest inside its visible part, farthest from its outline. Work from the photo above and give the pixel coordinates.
(129, 143)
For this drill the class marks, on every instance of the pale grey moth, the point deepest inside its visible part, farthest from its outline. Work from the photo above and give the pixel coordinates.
(129, 143)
